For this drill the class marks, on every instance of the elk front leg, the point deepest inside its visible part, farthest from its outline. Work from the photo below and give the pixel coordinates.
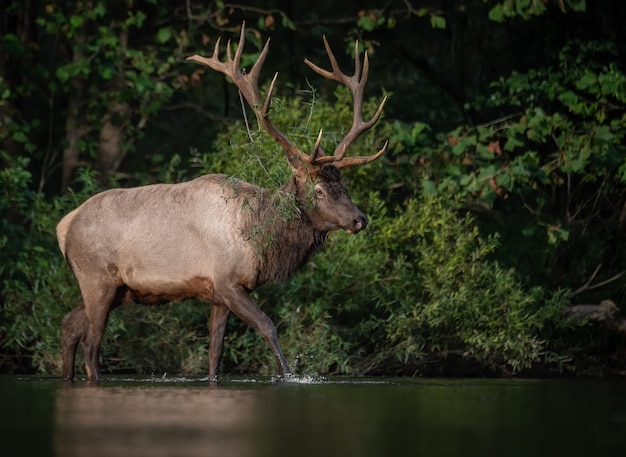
(217, 328)
(242, 305)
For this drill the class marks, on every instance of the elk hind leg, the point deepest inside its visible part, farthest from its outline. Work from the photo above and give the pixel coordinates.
(73, 330)
(98, 304)
(217, 328)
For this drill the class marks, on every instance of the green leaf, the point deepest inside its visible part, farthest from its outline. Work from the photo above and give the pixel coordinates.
(429, 187)
(571, 100)
(76, 21)
(556, 235)
(577, 5)
(438, 22)
(512, 143)
(62, 74)
(520, 170)
(604, 134)
(505, 180)
(467, 179)
(164, 35)
(497, 13)
(19, 136)
(99, 10)
(487, 172)
(287, 23)
(369, 22)
(588, 79)
(463, 143)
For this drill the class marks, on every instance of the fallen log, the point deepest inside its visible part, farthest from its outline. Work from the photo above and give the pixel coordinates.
(606, 314)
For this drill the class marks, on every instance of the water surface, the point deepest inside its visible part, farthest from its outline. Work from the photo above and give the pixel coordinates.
(312, 417)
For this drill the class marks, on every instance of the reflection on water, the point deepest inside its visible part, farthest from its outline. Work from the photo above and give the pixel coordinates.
(153, 421)
(320, 418)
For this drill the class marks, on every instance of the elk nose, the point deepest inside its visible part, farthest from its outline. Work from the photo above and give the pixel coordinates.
(360, 222)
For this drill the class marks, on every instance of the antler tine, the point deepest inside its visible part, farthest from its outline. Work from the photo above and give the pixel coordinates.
(360, 80)
(360, 160)
(317, 148)
(247, 83)
(356, 84)
(335, 74)
(239, 51)
(357, 62)
(216, 49)
(255, 71)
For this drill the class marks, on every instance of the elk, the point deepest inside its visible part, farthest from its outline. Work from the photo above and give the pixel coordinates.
(170, 242)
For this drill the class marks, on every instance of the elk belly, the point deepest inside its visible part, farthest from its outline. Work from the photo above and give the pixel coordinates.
(161, 292)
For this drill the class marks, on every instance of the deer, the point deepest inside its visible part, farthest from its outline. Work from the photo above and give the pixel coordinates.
(165, 243)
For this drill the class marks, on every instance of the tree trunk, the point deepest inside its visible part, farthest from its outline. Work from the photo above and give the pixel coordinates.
(73, 133)
(110, 151)
(75, 116)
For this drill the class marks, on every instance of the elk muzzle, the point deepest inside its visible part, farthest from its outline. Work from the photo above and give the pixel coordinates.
(358, 224)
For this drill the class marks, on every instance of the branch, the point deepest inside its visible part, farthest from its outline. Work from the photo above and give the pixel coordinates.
(200, 110)
(589, 286)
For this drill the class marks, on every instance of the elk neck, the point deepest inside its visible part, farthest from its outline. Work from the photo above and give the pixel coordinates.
(282, 233)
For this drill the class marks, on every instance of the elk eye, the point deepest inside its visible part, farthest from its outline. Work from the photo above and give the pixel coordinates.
(319, 192)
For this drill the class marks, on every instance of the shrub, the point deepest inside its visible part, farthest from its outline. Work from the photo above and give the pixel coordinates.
(452, 299)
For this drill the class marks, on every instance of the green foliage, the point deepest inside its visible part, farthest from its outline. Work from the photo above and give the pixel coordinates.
(461, 302)
(552, 164)
(103, 75)
(34, 278)
(157, 339)
(526, 9)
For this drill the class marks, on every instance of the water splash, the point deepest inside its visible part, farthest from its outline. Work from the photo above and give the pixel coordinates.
(302, 379)
(230, 380)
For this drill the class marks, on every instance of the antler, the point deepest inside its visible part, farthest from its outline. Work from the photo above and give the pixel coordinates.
(356, 84)
(248, 85)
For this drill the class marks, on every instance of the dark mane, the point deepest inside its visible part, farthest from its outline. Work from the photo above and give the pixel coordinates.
(281, 232)
(293, 244)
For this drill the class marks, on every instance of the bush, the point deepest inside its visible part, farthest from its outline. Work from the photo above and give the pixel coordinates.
(460, 302)
(35, 282)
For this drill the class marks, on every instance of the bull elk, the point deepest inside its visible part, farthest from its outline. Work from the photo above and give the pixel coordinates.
(170, 242)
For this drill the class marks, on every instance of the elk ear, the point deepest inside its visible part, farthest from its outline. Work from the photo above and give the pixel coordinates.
(299, 167)
(303, 165)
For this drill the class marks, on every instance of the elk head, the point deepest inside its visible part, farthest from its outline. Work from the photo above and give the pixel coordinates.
(332, 208)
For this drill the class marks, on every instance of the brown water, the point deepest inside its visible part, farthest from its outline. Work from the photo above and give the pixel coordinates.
(312, 417)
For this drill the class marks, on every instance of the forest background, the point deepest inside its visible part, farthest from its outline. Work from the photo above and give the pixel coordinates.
(497, 236)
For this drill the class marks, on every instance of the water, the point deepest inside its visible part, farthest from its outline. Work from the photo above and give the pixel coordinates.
(312, 417)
